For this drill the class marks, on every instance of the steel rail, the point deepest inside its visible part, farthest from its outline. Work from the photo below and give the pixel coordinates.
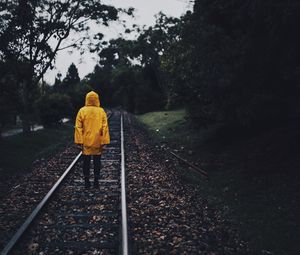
(13, 241)
(123, 196)
(202, 172)
(16, 237)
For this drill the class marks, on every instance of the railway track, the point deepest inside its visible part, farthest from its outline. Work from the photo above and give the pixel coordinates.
(72, 220)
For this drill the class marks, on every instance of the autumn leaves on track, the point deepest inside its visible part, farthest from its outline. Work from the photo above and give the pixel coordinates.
(80, 221)
(165, 215)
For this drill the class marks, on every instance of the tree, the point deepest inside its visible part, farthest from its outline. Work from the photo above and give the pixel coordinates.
(57, 83)
(119, 78)
(8, 95)
(130, 72)
(100, 81)
(30, 26)
(52, 108)
(78, 96)
(124, 85)
(241, 61)
(155, 47)
(71, 79)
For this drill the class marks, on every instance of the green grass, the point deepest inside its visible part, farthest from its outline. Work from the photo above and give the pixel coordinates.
(170, 127)
(163, 121)
(264, 207)
(19, 151)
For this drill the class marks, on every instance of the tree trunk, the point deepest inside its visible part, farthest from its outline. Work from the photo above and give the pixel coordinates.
(26, 123)
(25, 111)
(1, 127)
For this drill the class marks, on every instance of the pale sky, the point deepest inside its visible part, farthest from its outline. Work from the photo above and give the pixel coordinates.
(144, 15)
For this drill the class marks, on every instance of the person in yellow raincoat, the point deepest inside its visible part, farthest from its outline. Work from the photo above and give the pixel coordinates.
(92, 133)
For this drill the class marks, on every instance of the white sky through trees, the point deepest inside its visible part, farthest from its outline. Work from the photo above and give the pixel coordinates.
(144, 15)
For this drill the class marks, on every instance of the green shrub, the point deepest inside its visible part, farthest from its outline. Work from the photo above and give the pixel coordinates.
(52, 108)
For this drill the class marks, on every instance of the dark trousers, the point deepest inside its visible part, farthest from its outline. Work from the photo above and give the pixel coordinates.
(86, 165)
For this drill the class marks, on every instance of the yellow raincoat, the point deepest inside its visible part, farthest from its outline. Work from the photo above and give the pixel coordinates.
(91, 126)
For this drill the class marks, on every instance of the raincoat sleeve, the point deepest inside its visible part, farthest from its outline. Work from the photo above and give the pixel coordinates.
(105, 130)
(78, 137)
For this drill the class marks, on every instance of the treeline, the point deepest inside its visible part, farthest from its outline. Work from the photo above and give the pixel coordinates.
(32, 32)
(243, 61)
(226, 61)
(232, 62)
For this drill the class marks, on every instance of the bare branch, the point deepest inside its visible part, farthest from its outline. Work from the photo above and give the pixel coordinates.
(51, 58)
(74, 44)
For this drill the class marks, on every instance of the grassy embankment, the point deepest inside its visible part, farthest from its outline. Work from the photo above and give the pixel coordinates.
(18, 152)
(263, 206)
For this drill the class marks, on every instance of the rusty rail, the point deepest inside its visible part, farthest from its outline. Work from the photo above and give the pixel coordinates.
(202, 172)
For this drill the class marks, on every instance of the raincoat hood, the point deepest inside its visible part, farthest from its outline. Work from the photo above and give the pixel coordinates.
(92, 99)
(91, 126)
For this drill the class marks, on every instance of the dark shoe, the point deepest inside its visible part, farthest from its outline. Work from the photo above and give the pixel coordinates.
(87, 183)
(96, 185)
(96, 182)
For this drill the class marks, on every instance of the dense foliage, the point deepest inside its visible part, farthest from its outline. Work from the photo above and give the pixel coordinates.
(231, 62)
(33, 32)
(52, 108)
(243, 59)
(130, 74)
